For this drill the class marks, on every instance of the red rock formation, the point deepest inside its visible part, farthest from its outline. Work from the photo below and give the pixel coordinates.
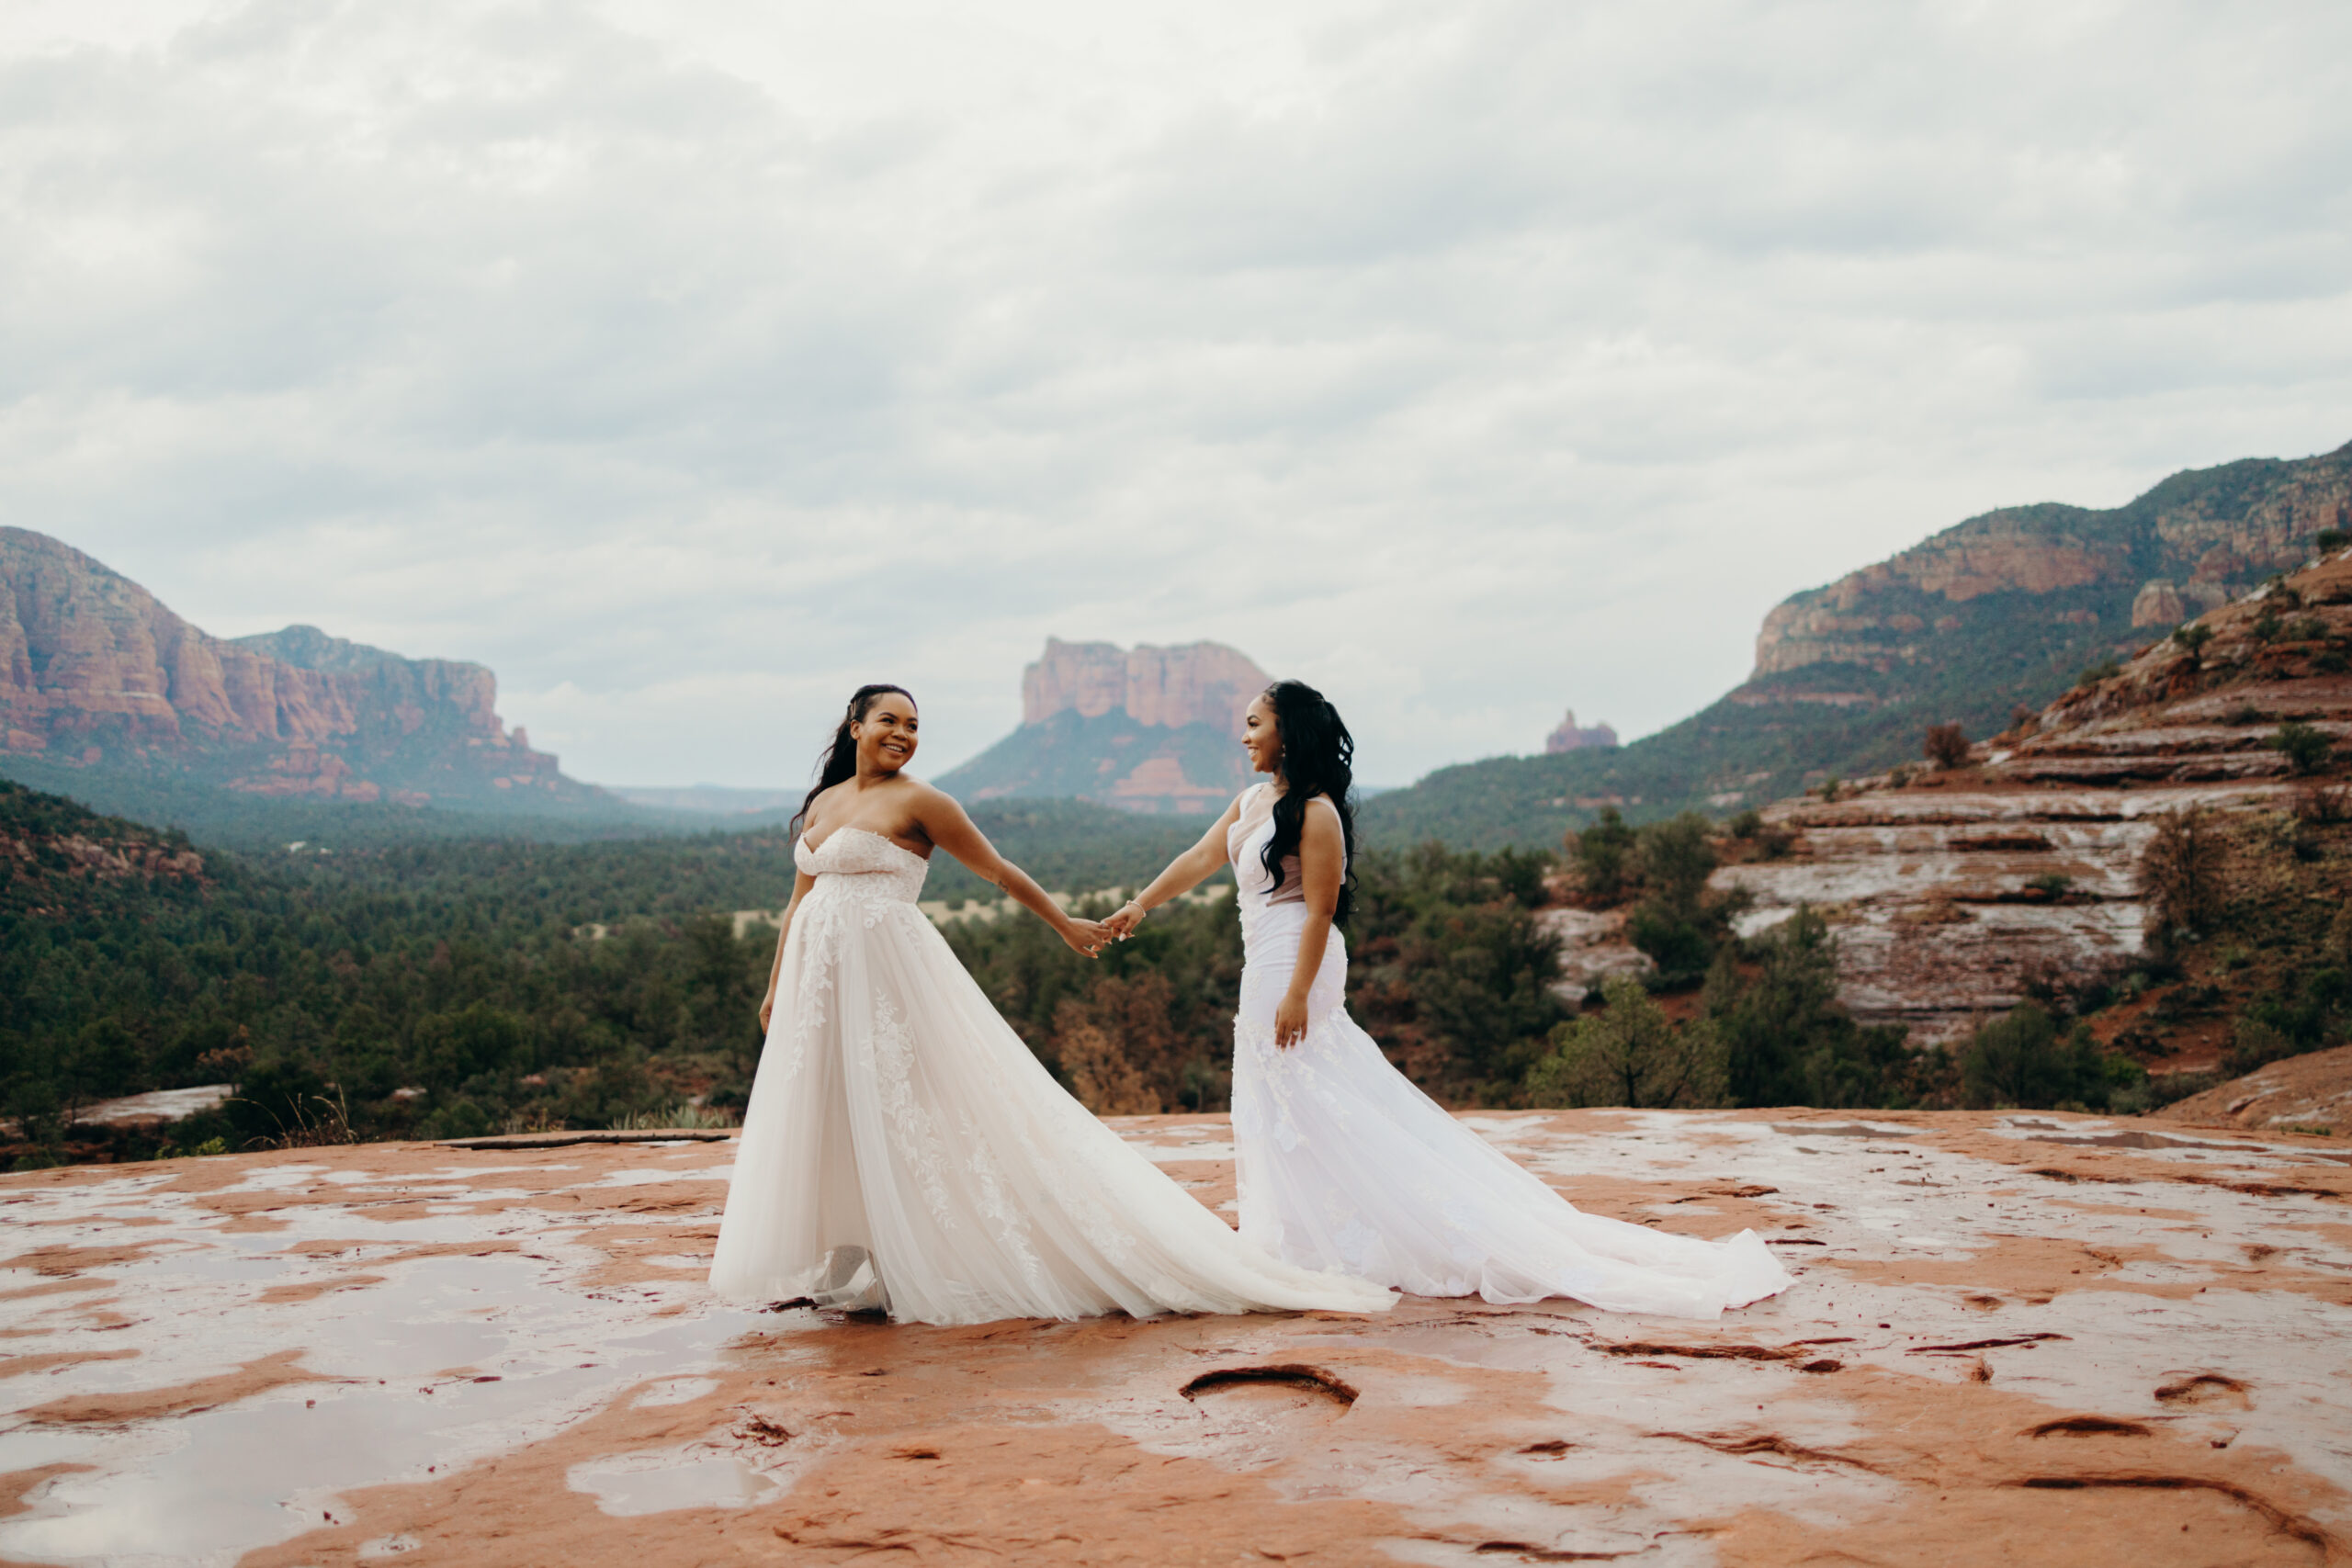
(1950, 892)
(1147, 729)
(1568, 738)
(94, 670)
(2216, 532)
(1842, 624)
(1199, 683)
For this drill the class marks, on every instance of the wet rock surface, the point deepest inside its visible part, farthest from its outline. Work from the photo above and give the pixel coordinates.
(2014, 1338)
(2313, 1092)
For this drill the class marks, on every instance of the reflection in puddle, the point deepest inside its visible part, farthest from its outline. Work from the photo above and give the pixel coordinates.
(675, 1390)
(659, 1480)
(208, 1486)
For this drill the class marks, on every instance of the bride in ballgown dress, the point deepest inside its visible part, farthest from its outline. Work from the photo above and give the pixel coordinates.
(1344, 1163)
(902, 1149)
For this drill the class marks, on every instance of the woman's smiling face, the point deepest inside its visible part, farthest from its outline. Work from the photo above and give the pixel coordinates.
(1261, 738)
(887, 736)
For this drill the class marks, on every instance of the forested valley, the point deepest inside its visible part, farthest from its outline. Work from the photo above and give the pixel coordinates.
(457, 989)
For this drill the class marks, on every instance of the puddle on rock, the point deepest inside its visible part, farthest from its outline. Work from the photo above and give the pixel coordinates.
(210, 1485)
(660, 1479)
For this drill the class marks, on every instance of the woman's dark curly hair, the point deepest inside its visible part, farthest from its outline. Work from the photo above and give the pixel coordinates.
(840, 759)
(1318, 758)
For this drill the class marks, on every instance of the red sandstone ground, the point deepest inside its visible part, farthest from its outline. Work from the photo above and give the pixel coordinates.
(2015, 1338)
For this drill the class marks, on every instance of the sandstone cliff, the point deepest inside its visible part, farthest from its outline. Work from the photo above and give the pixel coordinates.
(96, 674)
(1956, 893)
(1149, 729)
(2003, 609)
(1199, 683)
(2190, 544)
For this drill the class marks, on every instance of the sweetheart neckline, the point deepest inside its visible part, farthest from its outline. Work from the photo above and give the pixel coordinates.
(819, 849)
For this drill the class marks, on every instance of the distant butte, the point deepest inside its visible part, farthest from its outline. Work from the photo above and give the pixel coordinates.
(1568, 738)
(1146, 729)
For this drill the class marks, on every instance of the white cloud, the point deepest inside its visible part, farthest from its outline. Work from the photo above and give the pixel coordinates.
(690, 362)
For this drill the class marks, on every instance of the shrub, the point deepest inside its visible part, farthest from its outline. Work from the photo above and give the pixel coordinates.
(1747, 825)
(1679, 946)
(1483, 989)
(2021, 1061)
(2254, 1043)
(279, 1104)
(1599, 853)
(2307, 628)
(2105, 669)
(2331, 539)
(2322, 801)
(1120, 1046)
(1947, 745)
(1788, 1040)
(2180, 871)
(2052, 885)
(2307, 749)
(2266, 626)
(1676, 860)
(2289, 1019)
(1630, 1054)
(1675, 924)
(2192, 639)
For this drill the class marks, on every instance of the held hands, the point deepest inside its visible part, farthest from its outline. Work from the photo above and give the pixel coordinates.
(1086, 936)
(1125, 920)
(1290, 1021)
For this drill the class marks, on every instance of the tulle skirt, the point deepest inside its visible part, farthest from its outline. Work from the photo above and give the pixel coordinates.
(904, 1150)
(1345, 1165)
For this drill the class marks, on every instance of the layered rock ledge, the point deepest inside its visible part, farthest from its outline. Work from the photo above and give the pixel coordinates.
(2014, 1338)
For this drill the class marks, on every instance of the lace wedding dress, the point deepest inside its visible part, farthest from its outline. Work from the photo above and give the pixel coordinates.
(903, 1149)
(1345, 1165)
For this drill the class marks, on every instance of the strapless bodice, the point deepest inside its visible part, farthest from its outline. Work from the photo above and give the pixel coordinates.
(860, 864)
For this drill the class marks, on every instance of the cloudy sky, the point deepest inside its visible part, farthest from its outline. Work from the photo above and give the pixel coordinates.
(689, 361)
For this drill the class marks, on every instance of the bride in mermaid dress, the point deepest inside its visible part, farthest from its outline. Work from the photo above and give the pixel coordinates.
(1344, 1163)
(902, 1149)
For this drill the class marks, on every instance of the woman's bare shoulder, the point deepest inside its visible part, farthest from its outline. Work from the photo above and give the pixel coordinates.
(927, 797)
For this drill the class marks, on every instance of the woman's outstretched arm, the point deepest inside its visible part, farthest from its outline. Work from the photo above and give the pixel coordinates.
(1185, 872)
(945, 821)
(1322, 865)
(801, 883)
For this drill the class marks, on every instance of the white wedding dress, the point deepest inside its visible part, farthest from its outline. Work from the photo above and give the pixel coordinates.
(904, 1150)
(1345, 1165)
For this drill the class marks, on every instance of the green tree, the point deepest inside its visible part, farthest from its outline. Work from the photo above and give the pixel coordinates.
(1676, 924)
(1599, 853)
(2306, 748)
(2181, 870)
(2023, 1061)
(1630, 1054)
(1787, 1038)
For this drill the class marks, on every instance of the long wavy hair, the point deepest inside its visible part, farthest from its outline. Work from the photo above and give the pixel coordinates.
(840, 761)
(1318, 758)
